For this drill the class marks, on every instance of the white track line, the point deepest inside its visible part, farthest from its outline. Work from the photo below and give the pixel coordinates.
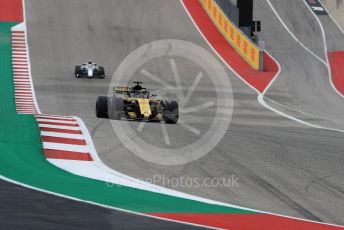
(293, 35)
(64, 135)
(303, 112)
(261, 97)
(71, 122)
(325, 49)
(66, 147)
(58, 127)
(263, 103)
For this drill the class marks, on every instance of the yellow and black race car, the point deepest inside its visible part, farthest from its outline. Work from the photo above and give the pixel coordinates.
(136, 103)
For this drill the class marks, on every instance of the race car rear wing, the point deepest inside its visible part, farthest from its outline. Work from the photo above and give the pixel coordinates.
(121, 89)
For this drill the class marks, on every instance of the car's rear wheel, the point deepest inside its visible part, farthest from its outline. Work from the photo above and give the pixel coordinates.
(102, 107)
(170, 112)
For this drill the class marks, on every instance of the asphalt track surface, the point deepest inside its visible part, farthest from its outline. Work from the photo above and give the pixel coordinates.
(23, 208)
(282, 166)
(306, 87)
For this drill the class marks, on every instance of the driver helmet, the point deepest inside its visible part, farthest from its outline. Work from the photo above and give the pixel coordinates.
(137, 87)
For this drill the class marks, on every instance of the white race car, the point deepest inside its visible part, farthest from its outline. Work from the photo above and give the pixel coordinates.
(89, 70)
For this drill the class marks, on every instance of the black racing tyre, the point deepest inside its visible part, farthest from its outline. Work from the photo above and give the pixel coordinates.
(170, 111)
(77, 72)
(101, 72)
(116, 108)
(102, 107)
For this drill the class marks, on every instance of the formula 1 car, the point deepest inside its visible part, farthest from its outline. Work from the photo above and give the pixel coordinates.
(89, 70)
(136, 103)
